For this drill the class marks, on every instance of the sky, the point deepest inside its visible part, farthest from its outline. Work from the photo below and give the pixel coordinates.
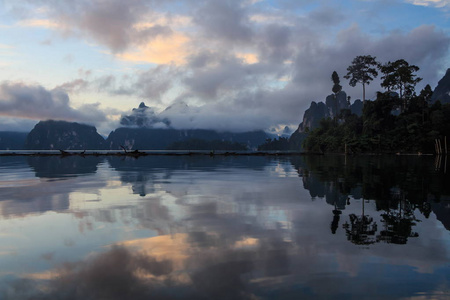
(228, 65)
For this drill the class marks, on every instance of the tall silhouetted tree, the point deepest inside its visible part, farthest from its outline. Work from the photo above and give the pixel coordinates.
(336, 89)
(399, 76)
(426, 93)
(362, 70)
(425, 97)
(335, 78)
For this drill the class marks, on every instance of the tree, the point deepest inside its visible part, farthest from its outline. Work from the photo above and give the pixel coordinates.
(426, 93)
(363, 71)
(424, 98)
(336, 87)
(399, 76)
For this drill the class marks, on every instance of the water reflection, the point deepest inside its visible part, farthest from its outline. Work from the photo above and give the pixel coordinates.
(63, 167)
(399, 186)
(226, 228)
(142, 173)
(41, 184)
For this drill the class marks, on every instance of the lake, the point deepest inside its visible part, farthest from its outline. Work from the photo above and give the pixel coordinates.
(246, 227)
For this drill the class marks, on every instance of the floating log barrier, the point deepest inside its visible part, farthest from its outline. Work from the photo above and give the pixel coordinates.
(137, 153)
(63, 152)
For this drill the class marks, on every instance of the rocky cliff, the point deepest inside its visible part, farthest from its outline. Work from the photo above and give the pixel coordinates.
(318, 111)
(144, 117)
(53, 135)
(442, 90)
(331, 108)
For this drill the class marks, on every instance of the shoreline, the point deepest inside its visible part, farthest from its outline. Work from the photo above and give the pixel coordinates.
(139, 153)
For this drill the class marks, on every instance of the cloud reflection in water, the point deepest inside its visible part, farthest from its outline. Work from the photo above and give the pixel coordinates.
(226, 228)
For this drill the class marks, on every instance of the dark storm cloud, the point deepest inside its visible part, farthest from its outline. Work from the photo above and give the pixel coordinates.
(36, 102)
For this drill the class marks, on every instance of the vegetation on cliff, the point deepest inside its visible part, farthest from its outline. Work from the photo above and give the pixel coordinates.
(379, 130)
(393, 122)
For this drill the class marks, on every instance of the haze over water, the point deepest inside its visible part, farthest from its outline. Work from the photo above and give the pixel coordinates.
(165, 227)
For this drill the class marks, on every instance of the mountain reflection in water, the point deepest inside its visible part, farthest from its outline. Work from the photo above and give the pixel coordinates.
(164, 227)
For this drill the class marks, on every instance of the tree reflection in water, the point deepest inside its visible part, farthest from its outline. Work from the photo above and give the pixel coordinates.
(400, 187)
(362, 229)
(398, 224)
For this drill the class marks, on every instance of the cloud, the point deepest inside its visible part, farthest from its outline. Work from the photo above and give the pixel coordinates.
(16, 124)
(160, 50)
(74, 85)
(326, 16)
(115, 274)
(425, 46)
(110, 23)
(435, 3)
(114, 23)
(236, 57)
(275, 44)
(150, 84)
(35, 102)
(39, 23)
(291, 67)
(224, 20)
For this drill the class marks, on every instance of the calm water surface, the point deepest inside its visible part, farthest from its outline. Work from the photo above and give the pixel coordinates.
(224, 228)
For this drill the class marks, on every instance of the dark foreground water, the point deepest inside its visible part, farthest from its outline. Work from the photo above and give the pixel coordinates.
(224, 228)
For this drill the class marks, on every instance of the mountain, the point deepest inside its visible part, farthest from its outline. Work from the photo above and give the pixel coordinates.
(318, 111)
(48, 135)
(10, 140)
(144, 117)
(442, 90)
(160, 139)
(332, 107)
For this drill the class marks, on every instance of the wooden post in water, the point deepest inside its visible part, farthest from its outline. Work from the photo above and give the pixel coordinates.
(445, 165)
(440, 146)
(438, 149)
(445, 140)
(436, 146)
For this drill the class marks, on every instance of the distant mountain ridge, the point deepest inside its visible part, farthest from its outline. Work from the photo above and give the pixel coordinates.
(160, 139)
(144, 129)
(10, 140)
(62, 135)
